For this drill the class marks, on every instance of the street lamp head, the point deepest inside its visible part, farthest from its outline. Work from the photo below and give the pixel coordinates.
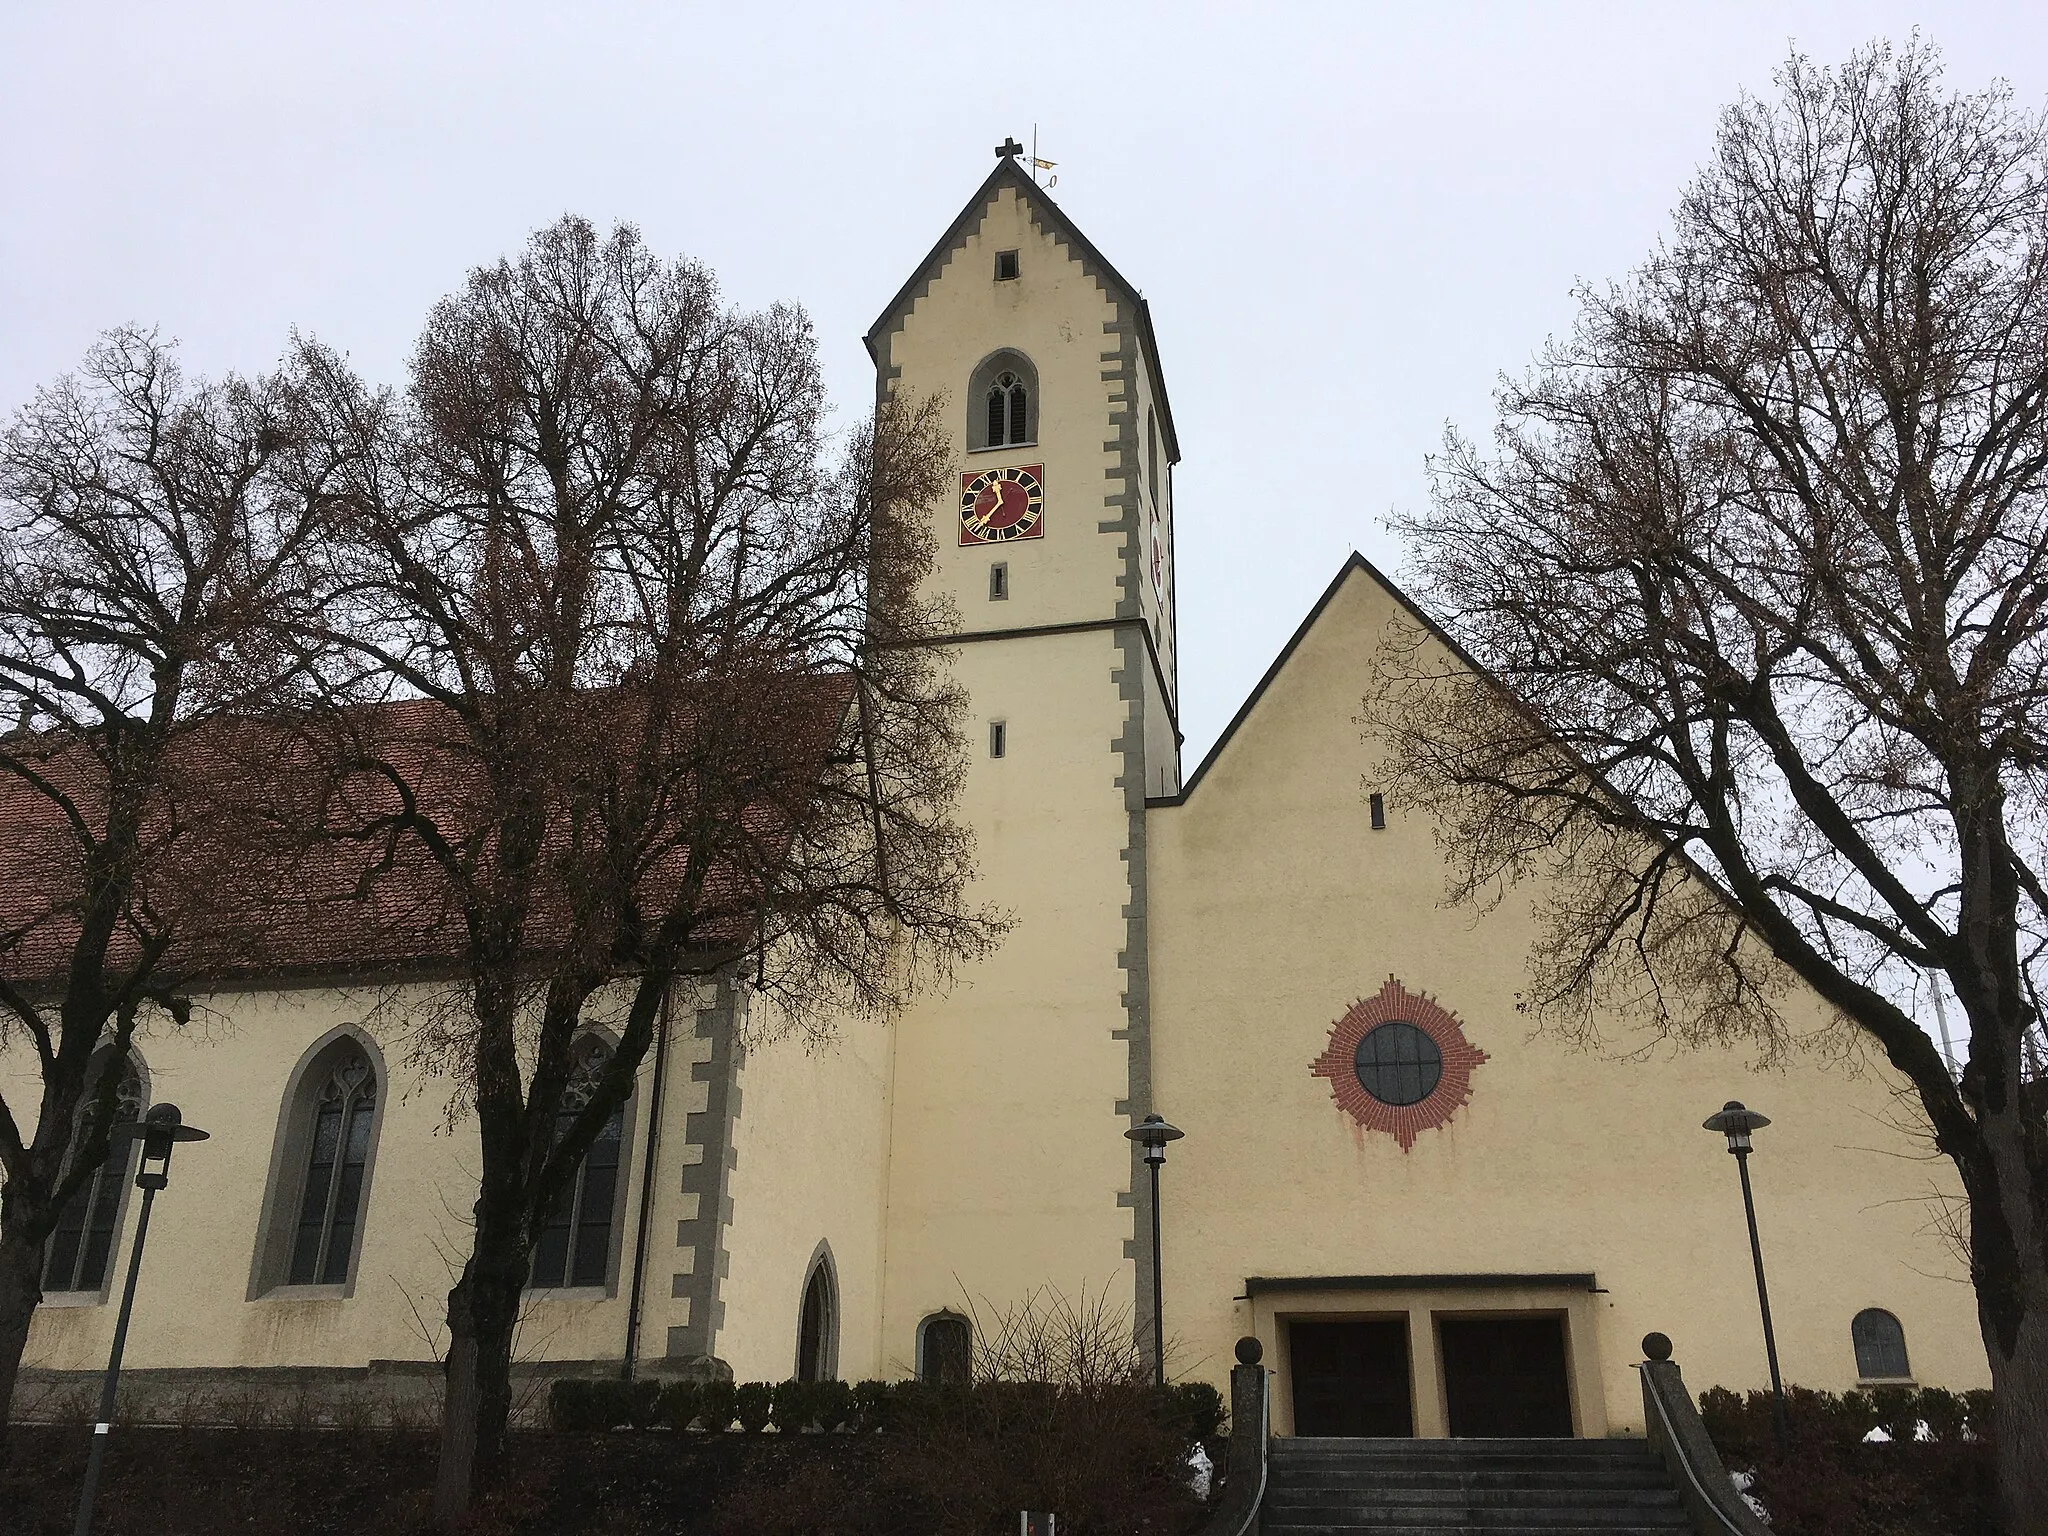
(161, 1129)
(1736, 1122)
(1153, 1133)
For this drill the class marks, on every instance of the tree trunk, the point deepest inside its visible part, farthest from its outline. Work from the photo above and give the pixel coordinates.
(483, 1313)
(2019, 1379)
(2010, 1270)
(21, 1262)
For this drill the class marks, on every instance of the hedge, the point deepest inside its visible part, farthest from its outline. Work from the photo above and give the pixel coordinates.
(1194, 1409)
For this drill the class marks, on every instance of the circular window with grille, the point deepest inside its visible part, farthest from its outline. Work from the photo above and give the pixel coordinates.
(1399, 1062)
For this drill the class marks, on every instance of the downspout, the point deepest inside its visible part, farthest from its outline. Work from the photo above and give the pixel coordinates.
(647, 1186)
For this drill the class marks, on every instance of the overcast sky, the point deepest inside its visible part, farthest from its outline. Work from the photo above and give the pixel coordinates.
(1349, 219)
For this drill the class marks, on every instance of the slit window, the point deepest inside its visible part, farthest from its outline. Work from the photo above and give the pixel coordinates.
(999, 581)
(1006, 266)
(1377, 804)
(998, 738)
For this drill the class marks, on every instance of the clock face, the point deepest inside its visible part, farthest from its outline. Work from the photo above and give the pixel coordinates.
(997, 505)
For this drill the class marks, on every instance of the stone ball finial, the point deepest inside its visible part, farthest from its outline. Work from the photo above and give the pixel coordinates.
(1656, 1346)
(1250, 1351)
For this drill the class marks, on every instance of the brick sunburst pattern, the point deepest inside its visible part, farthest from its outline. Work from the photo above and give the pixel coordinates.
(1404, 1122)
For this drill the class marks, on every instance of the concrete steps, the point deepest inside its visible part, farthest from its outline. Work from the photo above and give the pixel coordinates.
(1495, 1487)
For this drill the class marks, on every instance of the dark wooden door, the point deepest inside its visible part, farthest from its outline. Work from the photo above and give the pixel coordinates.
(1506, 1376)
(1350, 1378)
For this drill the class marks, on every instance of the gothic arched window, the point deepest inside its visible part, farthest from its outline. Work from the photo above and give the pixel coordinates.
(817, 1328)
(945, 1350)
(1880, 1346)
(83, 1242)
(1003, 403)
(1009, 411)
(575, 1246)
(342, 1111)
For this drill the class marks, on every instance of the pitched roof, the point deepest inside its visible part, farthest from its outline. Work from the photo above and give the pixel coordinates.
(331, 903)
(1049, 215)
(1357, 564)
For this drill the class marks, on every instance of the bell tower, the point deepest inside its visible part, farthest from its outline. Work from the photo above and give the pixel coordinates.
(1012, 1091)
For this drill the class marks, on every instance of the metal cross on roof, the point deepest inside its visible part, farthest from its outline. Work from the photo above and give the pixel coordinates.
(1009, 149)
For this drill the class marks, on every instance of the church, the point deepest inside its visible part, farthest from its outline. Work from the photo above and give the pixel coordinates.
(1437, 1220)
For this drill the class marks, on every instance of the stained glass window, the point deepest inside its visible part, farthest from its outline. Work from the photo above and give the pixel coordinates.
(83, 1242)
(575, 1247)
(337, 1153)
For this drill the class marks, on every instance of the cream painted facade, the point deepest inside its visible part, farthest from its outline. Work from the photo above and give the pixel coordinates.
(1179, 948)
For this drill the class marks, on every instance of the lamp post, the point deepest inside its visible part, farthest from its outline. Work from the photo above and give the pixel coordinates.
(1736, 1123)
(1153, 1133)
(161, 1130)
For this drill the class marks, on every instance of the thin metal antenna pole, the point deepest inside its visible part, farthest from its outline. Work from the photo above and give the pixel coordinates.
(104, 1424)
(1763, 1298)
(1948, 1049)
(1158, 1315)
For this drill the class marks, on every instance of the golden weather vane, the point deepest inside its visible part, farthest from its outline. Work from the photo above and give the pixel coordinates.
(1010, 149)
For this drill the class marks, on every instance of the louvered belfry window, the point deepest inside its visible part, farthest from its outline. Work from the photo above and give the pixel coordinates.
(80, 1248)
(337, 1154)
(575, 1247)
(1009, 411)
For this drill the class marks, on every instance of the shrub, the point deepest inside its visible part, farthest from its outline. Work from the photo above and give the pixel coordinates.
(1833, 1484)
(1977, 1415)
(586, 1405)
(717, 1406)
(752, 1403)
(872, 1402)
(680, 1401)
(1944, 1413)
(1195, 1409)
(793, 1406)
(643, 1403)
(834, 1401)
(1898, 1410)
(1721, 1411)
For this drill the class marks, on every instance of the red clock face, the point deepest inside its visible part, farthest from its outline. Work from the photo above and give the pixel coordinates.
(997, 505)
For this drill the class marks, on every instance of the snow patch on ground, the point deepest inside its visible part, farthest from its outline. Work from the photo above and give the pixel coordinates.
(1200, 1471)
(1742, 1480)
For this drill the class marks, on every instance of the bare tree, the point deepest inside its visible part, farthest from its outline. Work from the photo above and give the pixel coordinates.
(1763, 547)
(672, 704)
(150, 540)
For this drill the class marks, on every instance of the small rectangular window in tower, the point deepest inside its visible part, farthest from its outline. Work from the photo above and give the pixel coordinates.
(1378, 805)
(1006, 266)
(998, 738)
(999, 581)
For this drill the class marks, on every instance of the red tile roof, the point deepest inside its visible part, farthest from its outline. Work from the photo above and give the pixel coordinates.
(340, 904)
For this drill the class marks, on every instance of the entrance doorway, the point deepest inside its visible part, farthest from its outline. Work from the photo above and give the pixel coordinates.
(1506, 1377)
(1350, 1378)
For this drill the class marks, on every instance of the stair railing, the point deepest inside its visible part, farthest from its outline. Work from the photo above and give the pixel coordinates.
(1244, 1487)
(1678, 1435)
